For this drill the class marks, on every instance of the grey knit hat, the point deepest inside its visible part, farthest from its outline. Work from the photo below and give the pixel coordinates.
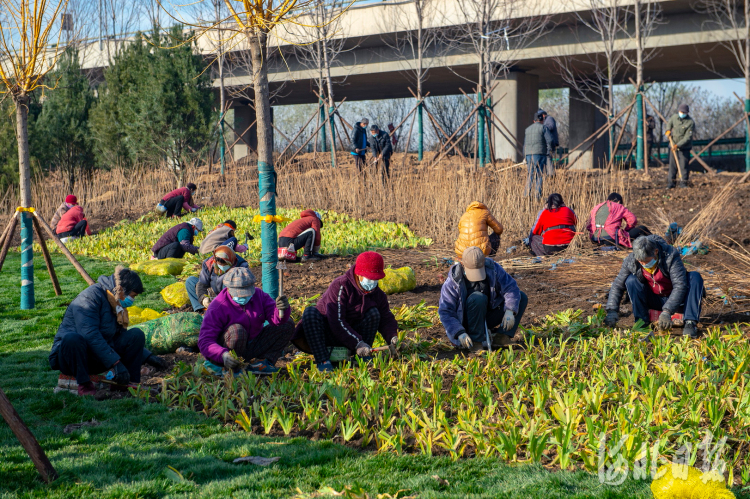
(240, 282)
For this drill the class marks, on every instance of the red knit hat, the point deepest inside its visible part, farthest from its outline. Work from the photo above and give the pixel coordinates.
(370, 266)
(71, 199)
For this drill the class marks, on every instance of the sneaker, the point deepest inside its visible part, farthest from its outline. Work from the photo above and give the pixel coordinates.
(86, 389)
(670, 186)
(262, 367)
(325, 367)
(156, 361)
(310, 258)
(690, 329)
(317, 255)
(503, 340)
(683, 185)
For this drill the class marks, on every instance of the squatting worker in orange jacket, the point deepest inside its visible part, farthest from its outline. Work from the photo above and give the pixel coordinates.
(473, 230)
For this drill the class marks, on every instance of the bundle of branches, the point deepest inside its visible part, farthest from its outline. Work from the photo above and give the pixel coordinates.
(705, 223)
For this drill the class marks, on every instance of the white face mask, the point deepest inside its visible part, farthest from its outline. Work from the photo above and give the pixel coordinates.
(368, 284)
(682, 115)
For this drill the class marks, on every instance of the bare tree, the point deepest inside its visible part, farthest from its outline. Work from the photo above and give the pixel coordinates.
(646, 16)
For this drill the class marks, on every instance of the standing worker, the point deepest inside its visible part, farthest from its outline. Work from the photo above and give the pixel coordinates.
(173, 203)
(537, 144)
(70, 201)
(178, 240)
(649, 144)
(680, 128)
(359, 143)
(551, 124)
(380, 144)
(72, 225)
(302, 233)
(473, 230)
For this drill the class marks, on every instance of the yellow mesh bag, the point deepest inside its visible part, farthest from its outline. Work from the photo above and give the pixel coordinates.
(167, 266)
(138, 315)
(685, 482)
(175, 295)
(398, 280)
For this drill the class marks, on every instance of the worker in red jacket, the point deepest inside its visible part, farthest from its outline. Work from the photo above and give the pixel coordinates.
(302, 233)
(554, 229)
(173, 203)
(73, 224)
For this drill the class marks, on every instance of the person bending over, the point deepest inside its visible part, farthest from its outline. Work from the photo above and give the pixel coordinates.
(178, 240)
(303, 233)
(605, 225)
(473, 230)
(173, 203)
(222, 235)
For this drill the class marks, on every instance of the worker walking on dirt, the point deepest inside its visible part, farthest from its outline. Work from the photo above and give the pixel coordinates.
(359, 143)
(473, 230)
(70, 201)
(210, 281)
(302, 233)
(680, 128)
(173, 203)
(222, 235)
(73, 224)
(234, 322)
(550, 124)
(605, 225)
(379, 143)
(94, 336)
(479, 294)
(655, 279)
(537, 144)
(649, 143)
(554, 229)
(349, 314)
(178, 240)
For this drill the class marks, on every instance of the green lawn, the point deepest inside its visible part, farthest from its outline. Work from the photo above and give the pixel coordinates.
(127, 455)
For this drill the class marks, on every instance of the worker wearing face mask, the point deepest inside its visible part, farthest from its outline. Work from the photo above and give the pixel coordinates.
(680, 128)
(235, 323)
(656, 280)
(210, 282)
(349, 314)
(178, 240)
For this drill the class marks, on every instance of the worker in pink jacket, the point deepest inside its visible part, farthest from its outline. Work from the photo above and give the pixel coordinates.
(605, 224)
(179, 199)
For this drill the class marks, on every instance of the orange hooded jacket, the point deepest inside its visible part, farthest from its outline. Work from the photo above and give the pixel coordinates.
(473, 228)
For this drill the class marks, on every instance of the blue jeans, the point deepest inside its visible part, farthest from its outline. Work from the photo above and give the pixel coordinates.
(643, 299)
(478, 313)
(190, 284)
(535, 164)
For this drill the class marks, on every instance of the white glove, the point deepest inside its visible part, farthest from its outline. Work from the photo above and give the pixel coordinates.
(509, 319)
(363, 349)
(229, 361)
(193, 210)
(465, 341)
(206, 301)
(393, 347)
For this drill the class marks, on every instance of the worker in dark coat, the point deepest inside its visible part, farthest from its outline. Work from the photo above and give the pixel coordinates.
(680, 129)
(359, 142)
(379, 142)
(94, 336)
(178, 240)
(656, 279)
(537, 144)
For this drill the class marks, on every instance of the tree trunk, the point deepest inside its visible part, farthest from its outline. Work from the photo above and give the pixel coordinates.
(747, 83)
(24, 161)
(266, 174)
(331, 105)
(420, 76)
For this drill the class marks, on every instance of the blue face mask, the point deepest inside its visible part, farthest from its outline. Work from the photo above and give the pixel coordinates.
(195, 232)
(651, 264)
(224, 268)
(241, 300)
(368, 284)
(682, 115)
(127, 302)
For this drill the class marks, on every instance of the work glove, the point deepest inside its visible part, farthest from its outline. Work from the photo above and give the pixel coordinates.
(526, 242)
(612, 317)
(393, 347)
(668, 133)
(240, 248)
(674, 147)
(282, 303)
(363, 349)
(206, 301)
(193, 209)
(465, 341)
(229, 361)
(665, 320)
(119, 374)
(509, 320)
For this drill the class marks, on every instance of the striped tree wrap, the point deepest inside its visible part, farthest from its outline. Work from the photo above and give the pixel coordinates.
(167, 334)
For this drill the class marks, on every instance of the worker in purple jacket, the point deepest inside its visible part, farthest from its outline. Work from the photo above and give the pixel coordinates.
(179, 199)
(349, 314)
(234, 322)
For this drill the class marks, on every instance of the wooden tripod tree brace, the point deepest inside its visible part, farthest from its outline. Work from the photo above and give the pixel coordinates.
(47, 258)
(8, 238)
(65, 250)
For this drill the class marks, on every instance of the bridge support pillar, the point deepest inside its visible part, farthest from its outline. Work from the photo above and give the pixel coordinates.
(515, 99)
(240, 117)
(585, 119)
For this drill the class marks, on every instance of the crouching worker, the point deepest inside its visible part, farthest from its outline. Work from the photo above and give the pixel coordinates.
(73, 225)
(70, 201)
(554, 229)
(655, 279)
(173, 203)
(94, 336)
(479, 294)
(606, 224)
(234, 322)
(303, 233)
(473, 230)
(349, 314)
(222, 235)
(210, 282)
(178, 240)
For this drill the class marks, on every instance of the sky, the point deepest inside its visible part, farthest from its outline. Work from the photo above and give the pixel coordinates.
(723, 88)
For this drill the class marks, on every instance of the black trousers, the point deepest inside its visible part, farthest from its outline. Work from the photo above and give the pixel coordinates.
(174, 206)
(75, 357)
(319, 336)
(684, 156)
(171, 250)
(387, 166)
(78, 231)
(305, 240)
(541, 249)
(478, 312)
(634, 233)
